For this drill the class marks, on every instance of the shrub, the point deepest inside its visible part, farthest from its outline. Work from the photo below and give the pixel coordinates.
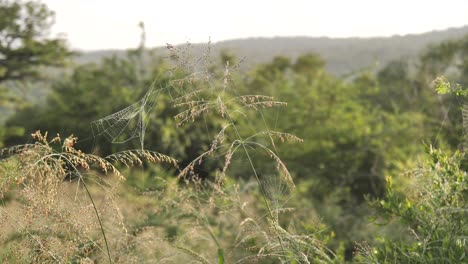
(434, 211)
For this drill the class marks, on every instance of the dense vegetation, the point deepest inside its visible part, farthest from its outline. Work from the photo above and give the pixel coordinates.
(187, 158)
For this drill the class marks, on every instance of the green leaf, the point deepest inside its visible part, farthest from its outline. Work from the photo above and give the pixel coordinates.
(220, 256)
(442, 86)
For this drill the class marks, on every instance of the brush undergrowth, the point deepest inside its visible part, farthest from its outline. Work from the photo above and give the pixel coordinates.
(433, 210)
(203, 93)
(61, 204)
(55, 213)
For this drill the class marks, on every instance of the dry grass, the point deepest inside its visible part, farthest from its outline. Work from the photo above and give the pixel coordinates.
(67, 207)
(59, 216)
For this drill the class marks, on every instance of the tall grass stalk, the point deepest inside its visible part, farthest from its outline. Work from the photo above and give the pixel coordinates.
(199, 96)
(41, 170)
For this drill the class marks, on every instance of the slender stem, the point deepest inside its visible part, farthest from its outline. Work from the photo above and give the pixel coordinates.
(100, 222)
(95, 209)
(35, 238)
(270, 212)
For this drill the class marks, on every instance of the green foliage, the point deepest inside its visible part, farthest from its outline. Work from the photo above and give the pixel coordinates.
(233, 197)
(24, 28)
(309, 65)
(350, 142)
(443, 86)
(434, 210)
(9, 132)
(443, 111)
(94, 91)
(24, 48)
(198, 97)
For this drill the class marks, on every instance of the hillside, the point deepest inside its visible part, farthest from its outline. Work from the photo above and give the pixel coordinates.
(343, 55)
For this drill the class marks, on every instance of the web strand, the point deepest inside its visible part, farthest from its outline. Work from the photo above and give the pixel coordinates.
(128, 123)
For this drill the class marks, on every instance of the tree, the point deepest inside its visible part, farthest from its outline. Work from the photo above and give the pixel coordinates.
(24, 42)
(25, 46)
(350, 142)
(310, 64)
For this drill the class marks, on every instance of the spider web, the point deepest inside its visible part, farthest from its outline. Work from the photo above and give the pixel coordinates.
(131, 122)
(128, 123)
(276, 189)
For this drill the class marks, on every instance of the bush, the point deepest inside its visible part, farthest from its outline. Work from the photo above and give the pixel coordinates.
(434, 211)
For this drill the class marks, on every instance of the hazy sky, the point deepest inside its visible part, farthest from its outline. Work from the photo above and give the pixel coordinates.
(112, 24)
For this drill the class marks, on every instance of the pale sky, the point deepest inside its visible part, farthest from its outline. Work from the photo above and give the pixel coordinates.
(112, 24)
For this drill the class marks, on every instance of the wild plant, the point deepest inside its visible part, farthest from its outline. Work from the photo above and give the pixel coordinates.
(434, 212)
(203, 94)
(49, 179)
(48, 171)
(433, 208)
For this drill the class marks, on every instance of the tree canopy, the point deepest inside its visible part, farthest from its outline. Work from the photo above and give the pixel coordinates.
(24, 40)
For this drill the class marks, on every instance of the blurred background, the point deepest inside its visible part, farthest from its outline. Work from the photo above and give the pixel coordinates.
(357, 76)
